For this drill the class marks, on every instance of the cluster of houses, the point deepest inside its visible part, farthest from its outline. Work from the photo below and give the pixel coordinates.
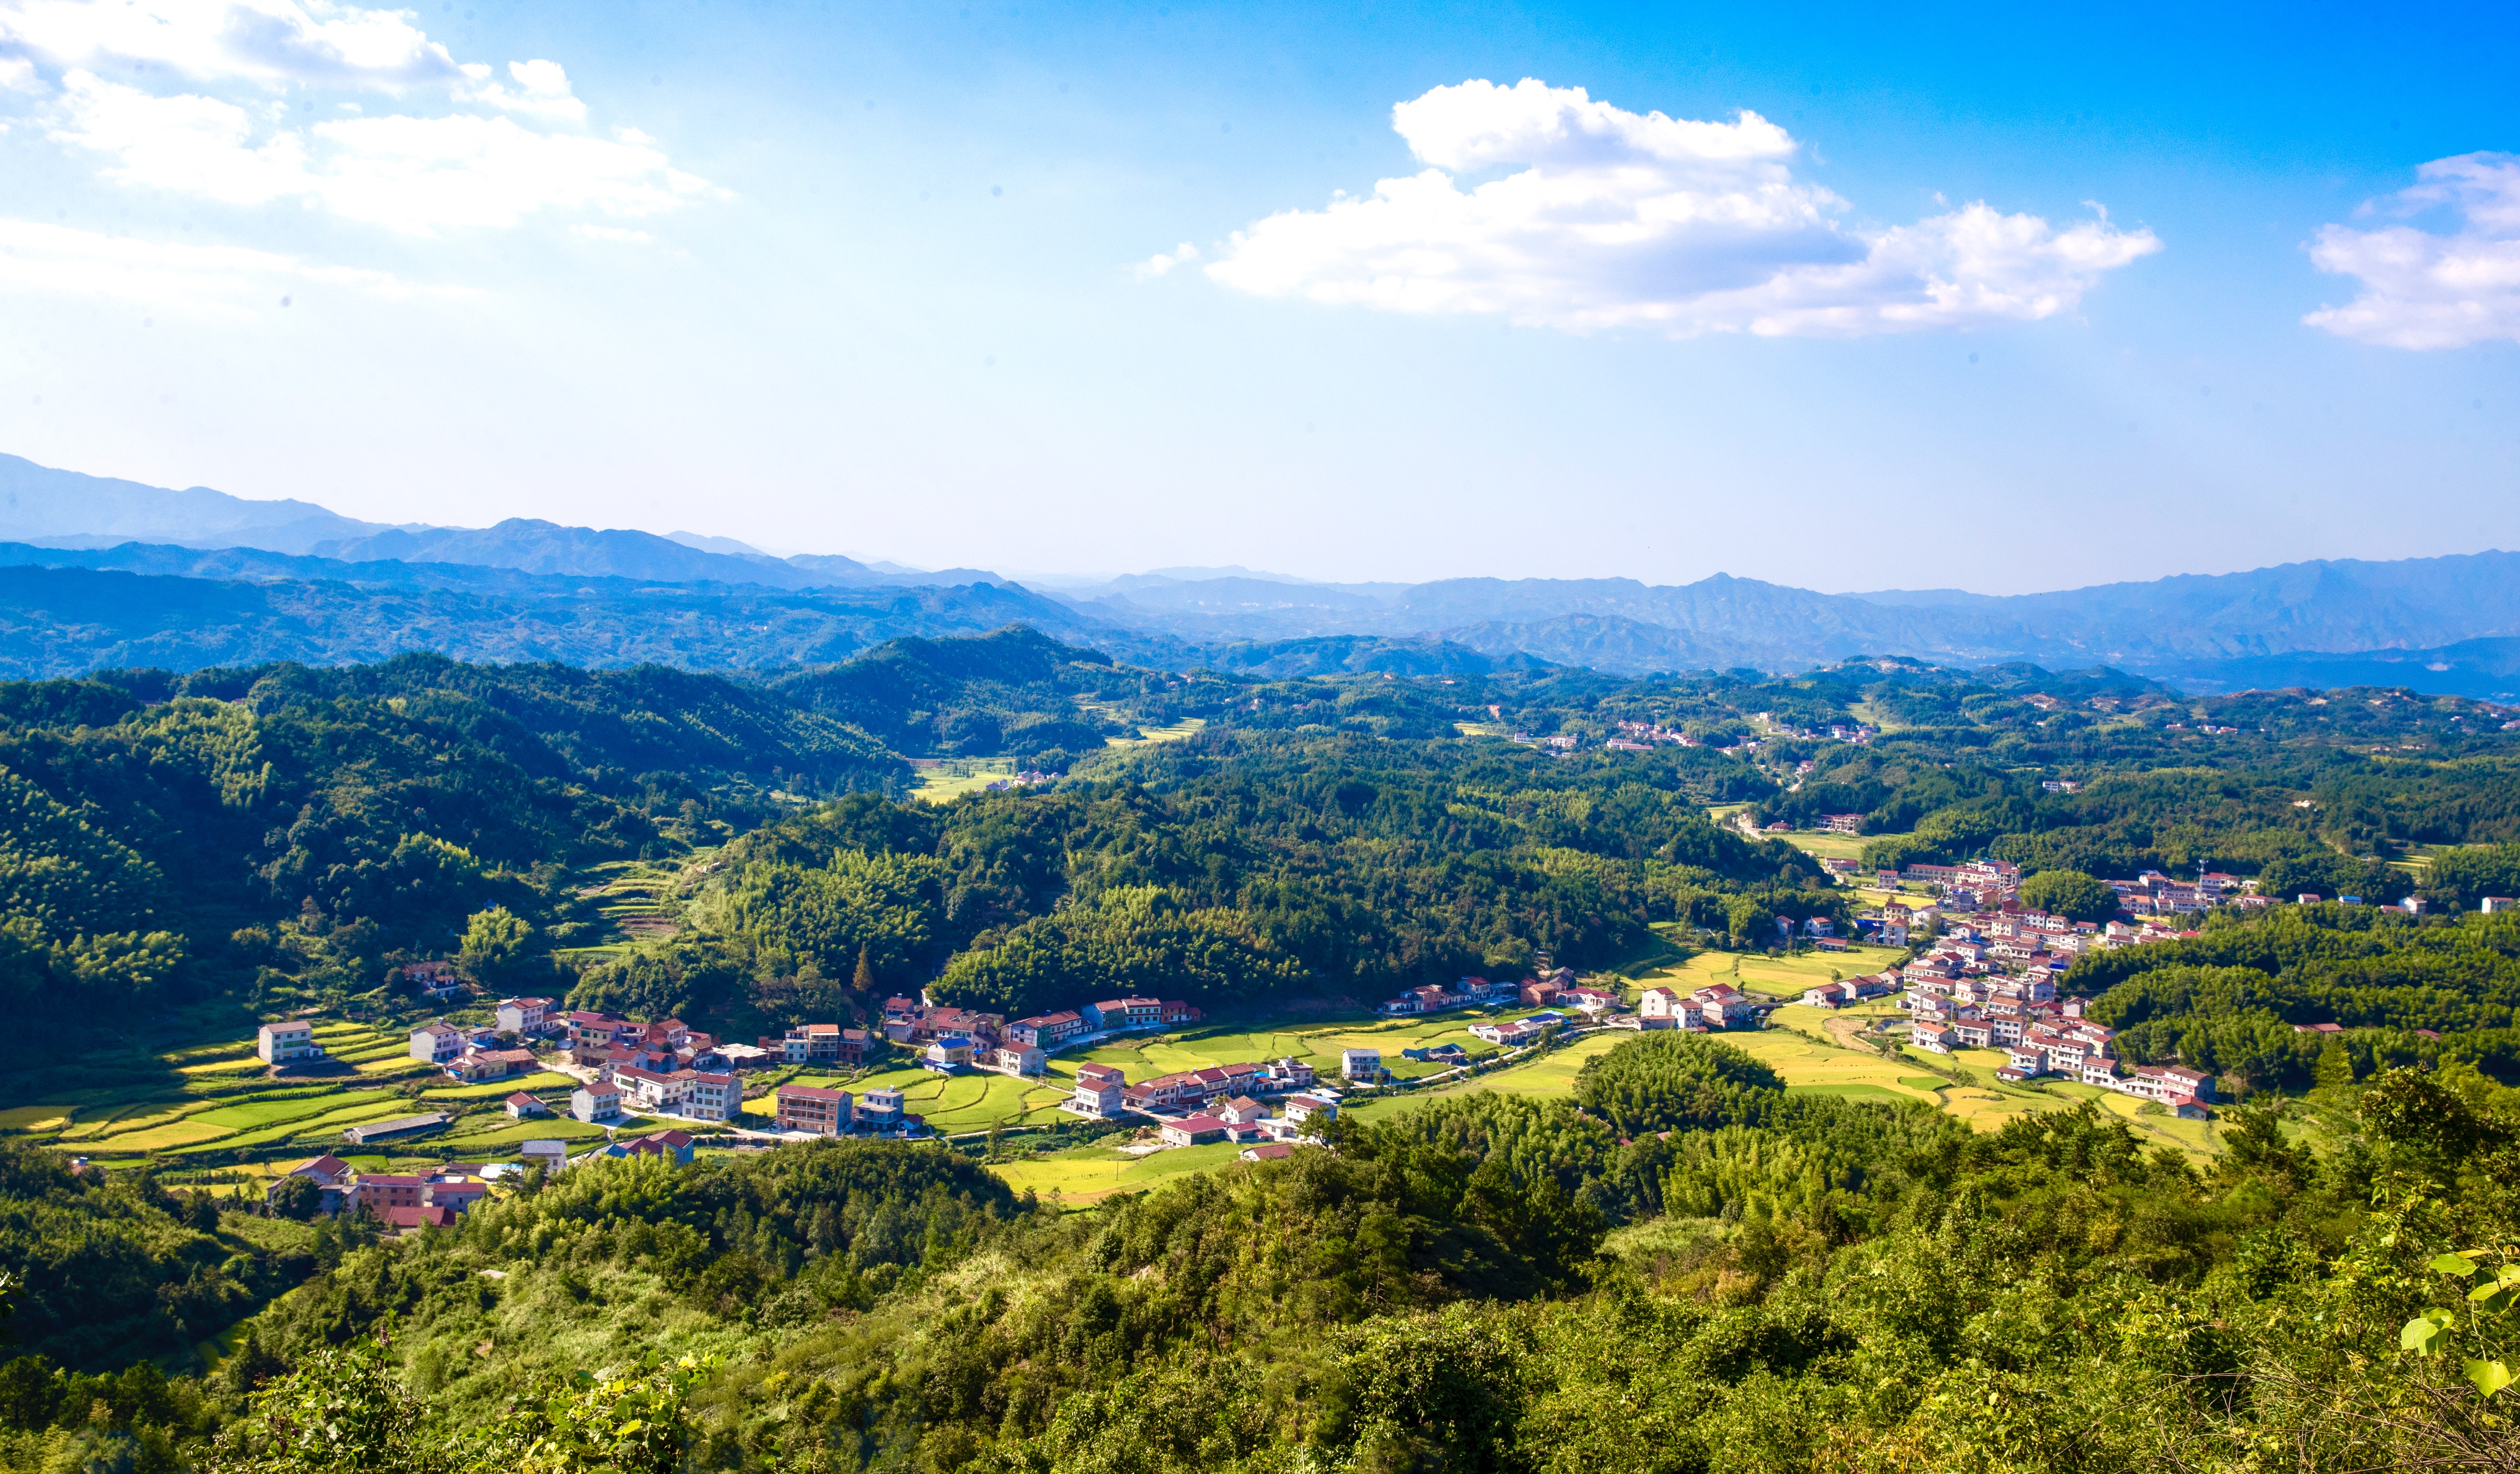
(1989, 981)
(828, 1111)
(438, 1197)
(952, 1041)
(1246, 1119)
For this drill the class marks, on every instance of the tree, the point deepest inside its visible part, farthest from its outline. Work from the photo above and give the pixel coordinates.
(342, 1412)
(2335, 1067)
(864, 979)
(2070, 893)
(495, 945)
(297, 1197)
(2459, 878)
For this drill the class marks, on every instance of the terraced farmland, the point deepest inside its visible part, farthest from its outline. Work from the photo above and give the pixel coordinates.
(215, 1105)
(639, 900)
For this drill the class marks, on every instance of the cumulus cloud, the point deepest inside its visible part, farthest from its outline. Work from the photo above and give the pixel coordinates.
(264, 41)
(211, 98)
(2422, 289)
(201, 280)
(414, 174)
(1160, 263)
(542, 90)
(1616, 219)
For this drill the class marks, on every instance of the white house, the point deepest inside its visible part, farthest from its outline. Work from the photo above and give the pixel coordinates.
(599, 1100)
(523, 1015)
(437, 1044)
(1099, 1090)
(1360, 1064)
(290, 1039)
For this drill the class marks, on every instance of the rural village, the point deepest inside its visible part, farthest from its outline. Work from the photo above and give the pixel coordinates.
(1981, 972)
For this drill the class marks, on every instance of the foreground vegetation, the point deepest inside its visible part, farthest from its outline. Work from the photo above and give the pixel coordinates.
(1680, 1267)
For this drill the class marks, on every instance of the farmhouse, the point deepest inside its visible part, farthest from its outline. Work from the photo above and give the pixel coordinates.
(1047, 1031)
(1195, 1131)
(437, 1042)
(1099, 1091)
(815, 1109)
(400, 1126)
(596, 1101)
(523, 1015)
(331, 1176)
(881, 1109)
(282, 1042)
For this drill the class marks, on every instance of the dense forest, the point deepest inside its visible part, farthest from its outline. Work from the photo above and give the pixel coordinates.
(285, 831)
(1681, 1268)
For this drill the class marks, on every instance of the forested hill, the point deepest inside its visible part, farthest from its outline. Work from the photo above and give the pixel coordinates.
(172, 834)
(299, 828)
(1014, 690)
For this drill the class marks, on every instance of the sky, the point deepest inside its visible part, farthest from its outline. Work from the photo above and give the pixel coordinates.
(1847, 298)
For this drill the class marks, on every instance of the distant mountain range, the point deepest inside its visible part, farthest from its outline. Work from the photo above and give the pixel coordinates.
(66, 509)
(297, 578)
(44, 507)
(65, 620)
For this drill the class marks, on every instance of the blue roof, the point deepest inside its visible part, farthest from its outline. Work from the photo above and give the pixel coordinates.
(952, 1041)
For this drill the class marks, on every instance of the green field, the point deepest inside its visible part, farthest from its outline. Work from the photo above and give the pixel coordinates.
(1826, 844)
(1773, 977)
(951, 777)
(1813, 1050)
(1186, 726)
(1091, 1174)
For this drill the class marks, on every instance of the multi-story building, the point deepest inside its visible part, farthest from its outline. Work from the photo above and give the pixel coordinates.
(881, 1109)
(815, 1109)
(1099, 1091)
(596, 1101)
(435, 1043)
(290, 1040)
(523, 1015)
(1047, 1031)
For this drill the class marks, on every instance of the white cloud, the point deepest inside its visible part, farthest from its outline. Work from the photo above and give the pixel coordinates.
(2426, 290)
(264, 41)
(542, 91)
(198, 145)
(1620, 218)
(611, 233)
(1157, 264)
(207, 281)
(419, 175)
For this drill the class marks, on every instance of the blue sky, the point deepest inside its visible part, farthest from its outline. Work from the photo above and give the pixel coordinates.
(901, 281)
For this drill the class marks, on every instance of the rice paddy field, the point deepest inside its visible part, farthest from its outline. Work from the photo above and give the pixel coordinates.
(1815, 1051)
(1773, 977)
(1826, 844)
(959, 1104)
(215, 1106)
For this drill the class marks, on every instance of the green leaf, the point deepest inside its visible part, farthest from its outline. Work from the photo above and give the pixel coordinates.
(2453, 1264)
(2490, 1377)
(2422, 1335)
